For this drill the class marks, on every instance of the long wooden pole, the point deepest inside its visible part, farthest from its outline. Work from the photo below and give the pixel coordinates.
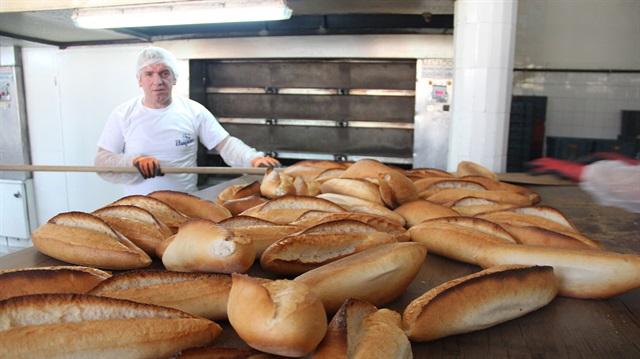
(202, 170)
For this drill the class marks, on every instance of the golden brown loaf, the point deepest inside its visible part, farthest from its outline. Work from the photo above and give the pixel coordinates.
(583, 273)
(281, 317)
(360, 330)
(321, 244)
(396, 189)
(378, 275)
(354, 187)
(312, 218)
(160, 209)
(468, 168)
(286, 209)
(192, 206)
(355, 204)
(479, 301)
(420, 210)
(202, 245)
(459, 238)
(540, 225)
(86, 326)
(137, 224)
(263, 233)
(54, 279)
(276, 183)
(84, 239)
(202, 294)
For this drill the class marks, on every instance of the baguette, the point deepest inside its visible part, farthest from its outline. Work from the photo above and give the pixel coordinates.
(354, 204)
(492, 183)
(263, 233)
(137, 224)
(237, 206)
(192, 206)
(84, 239)
(459, 238)
(276, 183)
(86, 326)
(160, 209)
(367, 169)
(238, 191)
(378, 275)
(448, 195)
(473, 206)
(583, 273)
(360, 331)
(479, 301)
(202, 245)
(286, 209)
(312, 218)
(310, 169)
(420, 210)
(354, 187)
(306, 187)
(54, 279)
(396, 189)
(202, 294)
(541, 225)
(280, 317)
(321, 244)
(468, 168)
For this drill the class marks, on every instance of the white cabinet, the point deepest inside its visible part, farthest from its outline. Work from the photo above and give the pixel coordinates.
(17, 208)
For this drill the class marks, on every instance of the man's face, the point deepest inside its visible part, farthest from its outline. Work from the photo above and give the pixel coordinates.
(157, 82)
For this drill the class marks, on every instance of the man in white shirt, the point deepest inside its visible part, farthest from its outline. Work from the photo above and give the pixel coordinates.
(159, 129)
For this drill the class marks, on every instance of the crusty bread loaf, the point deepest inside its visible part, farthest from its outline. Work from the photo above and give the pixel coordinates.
(86, 326)
(359, 330)
(276, 183)
(238, 191)
(237, 206)
(312, 218)
(378, 275)
(583, 273)
(354, 187)
(202, 245)
(203, 294)
(359, 205)
(286, 209)
(192, 206)
(321, 244)
(368, 169)
(54, 279)
(491, 183)
(479, 301)
(137, 224)
(426, 172)
(281, 317)
(263, 233)
(473, 206)
(459, 238)
(541, 225)
(306, 187)
(468, 168)
(396, 189)
(448, 195)
(160, 209)
(310, 169)
(427, 187)
(420, 210)
(84, 239)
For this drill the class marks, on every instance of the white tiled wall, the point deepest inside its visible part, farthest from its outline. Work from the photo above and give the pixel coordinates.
(582, 104)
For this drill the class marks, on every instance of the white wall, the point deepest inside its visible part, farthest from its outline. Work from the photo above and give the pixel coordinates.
(579, 36)
(70, 93)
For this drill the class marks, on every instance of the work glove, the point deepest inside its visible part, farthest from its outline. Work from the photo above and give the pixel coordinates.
(148, 167)
(265, 162)
(565, 169)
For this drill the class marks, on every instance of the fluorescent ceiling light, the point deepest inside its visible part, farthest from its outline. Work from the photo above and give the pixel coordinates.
(181, 13)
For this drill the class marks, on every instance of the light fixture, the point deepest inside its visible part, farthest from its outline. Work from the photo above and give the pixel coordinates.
(181, 13)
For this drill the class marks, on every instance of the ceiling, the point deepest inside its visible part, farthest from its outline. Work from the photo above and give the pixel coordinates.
(49, 23)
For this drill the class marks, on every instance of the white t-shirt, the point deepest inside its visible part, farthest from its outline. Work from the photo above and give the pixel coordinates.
(170, 135)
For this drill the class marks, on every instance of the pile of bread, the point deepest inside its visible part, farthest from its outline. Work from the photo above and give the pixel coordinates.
(342, 240)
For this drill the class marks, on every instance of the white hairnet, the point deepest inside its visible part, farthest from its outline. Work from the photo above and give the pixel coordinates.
(156, 55)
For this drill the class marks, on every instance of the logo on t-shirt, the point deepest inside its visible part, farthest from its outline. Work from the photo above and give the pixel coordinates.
(186, 139)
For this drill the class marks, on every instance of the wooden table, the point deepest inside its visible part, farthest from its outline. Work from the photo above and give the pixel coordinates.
(566, 328)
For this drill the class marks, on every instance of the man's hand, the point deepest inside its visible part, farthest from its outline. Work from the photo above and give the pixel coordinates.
(149, 167)
(565, 169)
(265, 162)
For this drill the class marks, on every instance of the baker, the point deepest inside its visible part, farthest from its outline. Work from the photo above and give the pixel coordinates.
(160, 129)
